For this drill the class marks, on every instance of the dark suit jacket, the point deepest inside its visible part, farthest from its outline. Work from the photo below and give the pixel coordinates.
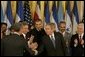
(14, 45)
(26, 53)
(48, 47)
(37, 37)
(67, 37)
(78, 50)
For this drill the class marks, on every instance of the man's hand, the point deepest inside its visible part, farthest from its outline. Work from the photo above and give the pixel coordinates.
(31, 39)
(82, 42)
(33, 46)
(76, 41)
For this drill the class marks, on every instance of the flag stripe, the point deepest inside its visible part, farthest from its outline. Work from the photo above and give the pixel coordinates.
(47, 13)
(9, 12)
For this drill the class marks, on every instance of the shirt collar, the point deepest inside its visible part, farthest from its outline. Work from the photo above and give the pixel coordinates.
(52, 35)
(16, 33)
(62, 33)
(82, 35)
(24, 35)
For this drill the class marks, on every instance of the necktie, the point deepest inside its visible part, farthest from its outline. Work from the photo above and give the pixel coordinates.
(53, 40)
(80, 39)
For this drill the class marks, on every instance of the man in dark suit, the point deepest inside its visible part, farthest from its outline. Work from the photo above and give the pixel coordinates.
(15, 45)
(52, 43)
(77, 41)
(38, 32)
(24, 30)
(66, 36)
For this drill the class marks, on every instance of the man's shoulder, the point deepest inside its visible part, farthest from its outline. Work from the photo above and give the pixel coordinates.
(57, 33)
(7, 37)
(45, 36)
(68, 33)
(75, 35)
(33, 30)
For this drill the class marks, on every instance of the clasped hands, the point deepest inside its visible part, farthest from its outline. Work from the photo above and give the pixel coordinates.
(31, 44)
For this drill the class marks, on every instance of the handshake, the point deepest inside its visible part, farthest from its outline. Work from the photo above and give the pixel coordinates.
(31, 44)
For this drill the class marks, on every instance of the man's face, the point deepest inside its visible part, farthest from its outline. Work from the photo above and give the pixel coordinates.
(53, 27)
(80, 28)
(24, 29)
(62, 27)
(38, 25)
(4, 28)
(48, 30)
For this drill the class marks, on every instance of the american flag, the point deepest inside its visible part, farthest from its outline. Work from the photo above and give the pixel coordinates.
(27, 13)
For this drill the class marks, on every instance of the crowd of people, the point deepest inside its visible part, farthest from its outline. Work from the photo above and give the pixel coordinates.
(41, 40)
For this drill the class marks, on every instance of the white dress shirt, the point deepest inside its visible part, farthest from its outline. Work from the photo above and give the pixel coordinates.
(81, 35)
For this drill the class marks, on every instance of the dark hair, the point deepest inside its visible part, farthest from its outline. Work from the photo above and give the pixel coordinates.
(17, 27)
(12, 27)
(80, 23)
(61, 22)
(38, 20)
(2, 23)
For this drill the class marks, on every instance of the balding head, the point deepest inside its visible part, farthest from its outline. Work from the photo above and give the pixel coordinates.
(80, 28)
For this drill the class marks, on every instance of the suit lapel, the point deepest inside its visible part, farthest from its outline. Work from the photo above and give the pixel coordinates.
(77, 38)
(50, 41)
(56, 39)
(83, 36)
(66, 37)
